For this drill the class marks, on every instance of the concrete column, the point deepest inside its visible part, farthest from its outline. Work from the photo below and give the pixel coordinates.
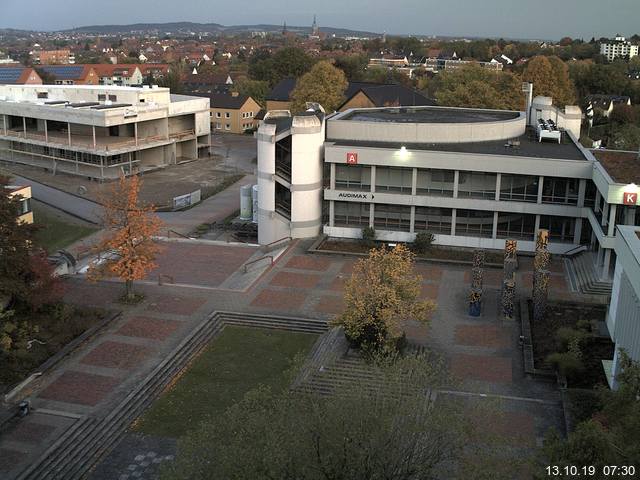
(372, 212)
(582, 188)
(93, 131)
(332, 177)
(498, 182)
(412, 221)
(69, 132)
(46, 131)
(101, 164)
(605, 265)
(605, 213)
(453, 220)
(414, 184)
(536, 227)
(577, 231)
(135, 132)
(596, 207)
(612, 219)
(494, 231)
(540, 186)
(332, 211)
(6, 122)
(456, 181)
(630, 215)
(373, 178)
(24, 126)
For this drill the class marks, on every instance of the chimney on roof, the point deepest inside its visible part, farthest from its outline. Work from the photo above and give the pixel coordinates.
(234, 94)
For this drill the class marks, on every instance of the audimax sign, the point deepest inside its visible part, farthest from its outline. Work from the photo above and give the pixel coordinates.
(356, 196)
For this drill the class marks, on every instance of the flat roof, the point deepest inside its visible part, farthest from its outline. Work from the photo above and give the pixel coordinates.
(622, 166)
(567, 150)
(89, 87)
(429, 115)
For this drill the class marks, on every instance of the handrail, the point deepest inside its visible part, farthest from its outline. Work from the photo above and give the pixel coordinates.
(270, 257)
(170, 231)
(575, 250)
(168, 277)
(269, 246)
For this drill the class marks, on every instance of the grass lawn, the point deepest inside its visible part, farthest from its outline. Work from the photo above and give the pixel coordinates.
(56, 233)
(234, 363)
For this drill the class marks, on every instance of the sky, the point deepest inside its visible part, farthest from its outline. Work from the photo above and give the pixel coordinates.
(535, 19)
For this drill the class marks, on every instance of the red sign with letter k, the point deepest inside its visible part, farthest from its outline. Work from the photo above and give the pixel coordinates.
(630, 198)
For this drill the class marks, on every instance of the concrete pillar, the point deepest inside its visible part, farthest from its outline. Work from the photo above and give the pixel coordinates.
(536, 228)
(372, 212)
(577, 231)
(24, 126)
(373, 178)
(93, 131)
(630, 215)
(414, 184)
(605, 213)
(456, 181)
(582, 188)
(101, 163)
(612, 219)
(494, 232)
(412, 221)
(605, 265)
(135, 132)
(6, 124)
(46, 131)
(332, 211)
(540, 186)
(332, 177)
(453, 220)
(498, 182)
(596, 206)
(69, 133)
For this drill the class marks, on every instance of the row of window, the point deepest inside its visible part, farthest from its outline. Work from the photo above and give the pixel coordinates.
(474, 223)
(518, 188)
(228, 115)
(61, 153)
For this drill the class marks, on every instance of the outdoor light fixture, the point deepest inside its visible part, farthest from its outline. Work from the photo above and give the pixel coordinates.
(403, 152)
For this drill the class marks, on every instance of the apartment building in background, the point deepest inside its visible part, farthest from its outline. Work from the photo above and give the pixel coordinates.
(69, 74)
(25, 214)
(100, 131)
(618, 47)
(53, 57)
(232, 113)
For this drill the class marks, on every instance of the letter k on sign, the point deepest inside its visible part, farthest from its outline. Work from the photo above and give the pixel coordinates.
(630, 198)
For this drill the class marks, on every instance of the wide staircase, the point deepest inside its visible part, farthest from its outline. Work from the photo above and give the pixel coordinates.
(583, 275)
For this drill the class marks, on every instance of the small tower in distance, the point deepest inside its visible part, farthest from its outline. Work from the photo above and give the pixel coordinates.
(315, 31)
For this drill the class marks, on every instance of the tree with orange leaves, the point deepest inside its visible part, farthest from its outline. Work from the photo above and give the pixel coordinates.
(128, 244)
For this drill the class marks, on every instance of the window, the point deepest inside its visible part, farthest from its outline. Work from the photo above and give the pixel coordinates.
(353, 177)
(25, 206)
(477, 185)
(218, 114)
(218, 126)
(561, 229)
(351, 214)
(227, 115)
(113, 98)
(227, 126)
(394, 179)
(43, 94)
(474, 223)
(435, 182)
(516, 225)
(560, 190)
(433, 220)
(519, 188)
(392, 217)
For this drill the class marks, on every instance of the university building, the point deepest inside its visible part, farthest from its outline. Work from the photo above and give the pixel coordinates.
(471, 177)
(100, 131)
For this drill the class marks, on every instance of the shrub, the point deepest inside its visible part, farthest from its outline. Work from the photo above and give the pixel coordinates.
(423, 242)
(368, 237)
(567, 363)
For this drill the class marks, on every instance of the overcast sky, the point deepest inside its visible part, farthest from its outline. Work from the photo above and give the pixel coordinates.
(548, 19)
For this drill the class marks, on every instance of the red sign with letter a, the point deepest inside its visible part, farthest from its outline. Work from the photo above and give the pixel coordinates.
(630, 198)
(352, 158)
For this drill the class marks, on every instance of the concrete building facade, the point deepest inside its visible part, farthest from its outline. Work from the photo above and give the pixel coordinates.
(618, 47)
(99, 131)
(25, 213)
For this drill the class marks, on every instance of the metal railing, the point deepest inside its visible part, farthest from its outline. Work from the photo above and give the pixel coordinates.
(170, 231)
(75, 142)
(578, 249)
(271, 246)
(246, 265)
(168, 277)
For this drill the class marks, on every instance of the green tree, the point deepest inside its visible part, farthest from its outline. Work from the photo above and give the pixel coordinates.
(256, 89)
(353, 66)
(286, 62)
(550, 78)
(475, 87)
(382, 293)
(627, 137)
(324, 84)
(358, 433)
(172, 81)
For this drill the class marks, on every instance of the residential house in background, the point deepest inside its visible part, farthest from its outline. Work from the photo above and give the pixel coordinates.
(71, 74)
(619, 47)
(216, 83)
(606, 103)
(232, 113)
(25, 214)
(53, 57)
(19, 75)
(119, 74)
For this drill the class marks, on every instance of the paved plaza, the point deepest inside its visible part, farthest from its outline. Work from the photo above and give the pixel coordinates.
(482, 353)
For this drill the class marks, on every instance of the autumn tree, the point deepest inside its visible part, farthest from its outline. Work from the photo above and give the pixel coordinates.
(475, 87)
(256, 89)
(323, 84)
(382, 293)
(128, 244)
(550, 78)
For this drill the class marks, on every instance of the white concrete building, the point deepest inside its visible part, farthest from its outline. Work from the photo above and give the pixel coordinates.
(471, 177)
(619, 47)
(623, 316)
(100, 131)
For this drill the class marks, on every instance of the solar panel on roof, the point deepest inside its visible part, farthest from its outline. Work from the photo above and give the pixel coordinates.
(113, 105)
(10, 75)
(82, 104)
(63, 72)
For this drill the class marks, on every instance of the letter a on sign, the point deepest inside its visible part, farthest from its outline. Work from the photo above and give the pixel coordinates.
(630, 198)
(352, 158)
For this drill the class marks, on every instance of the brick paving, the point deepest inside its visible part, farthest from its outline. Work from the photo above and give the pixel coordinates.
(294, 280)
(279, 300)
(79, 387)
(490, 336)
(510, 428)
(330, 304)
(491, 277)
(429, 271)
(148, 327)
(115, 355)
(481, 367)
(308, 262)
(429, 292)
(31, 432)
(175, 305)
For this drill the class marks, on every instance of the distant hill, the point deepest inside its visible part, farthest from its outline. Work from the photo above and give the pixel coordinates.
(212, 28)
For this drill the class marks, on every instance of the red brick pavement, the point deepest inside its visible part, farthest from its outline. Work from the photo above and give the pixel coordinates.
(512, 428)
(115, 355)
(307, 262)
(294, 280)
(416, 333)
(348, 266)
(31, 432)
(429, 271)
(175, 305)
(429, 291)
(92, 294)
(492, 277)
(332, 304)
(207, 265)
(148, 327)
(482, 367)
(482, 336)
(79, 387)
(287, 301)
(337, 285)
